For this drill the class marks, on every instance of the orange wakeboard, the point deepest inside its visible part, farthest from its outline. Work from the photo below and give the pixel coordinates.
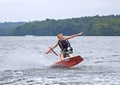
(69, 62)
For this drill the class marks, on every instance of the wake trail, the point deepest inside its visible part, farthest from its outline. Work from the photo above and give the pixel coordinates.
(22, 58)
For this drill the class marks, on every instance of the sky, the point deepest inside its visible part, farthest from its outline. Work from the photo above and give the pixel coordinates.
(38, 10)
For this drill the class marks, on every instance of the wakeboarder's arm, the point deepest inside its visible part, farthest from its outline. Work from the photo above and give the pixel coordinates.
(72, 36)
(54, 46)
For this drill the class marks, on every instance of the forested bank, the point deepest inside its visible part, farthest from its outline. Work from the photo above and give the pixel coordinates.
(91, 26)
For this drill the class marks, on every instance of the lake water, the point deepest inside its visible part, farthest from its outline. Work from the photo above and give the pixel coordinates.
(23, 62)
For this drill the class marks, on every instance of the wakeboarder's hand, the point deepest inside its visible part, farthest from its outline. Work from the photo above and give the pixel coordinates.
(46, 52)
(80, 33)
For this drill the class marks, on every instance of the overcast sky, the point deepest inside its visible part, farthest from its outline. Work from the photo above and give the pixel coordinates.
(31, 10)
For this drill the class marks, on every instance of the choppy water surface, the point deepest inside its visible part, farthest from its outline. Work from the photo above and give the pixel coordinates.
(23, 62)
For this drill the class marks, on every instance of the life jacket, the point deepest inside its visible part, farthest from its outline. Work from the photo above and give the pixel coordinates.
(64, 44)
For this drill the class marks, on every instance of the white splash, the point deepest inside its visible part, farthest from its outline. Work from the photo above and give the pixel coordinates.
(22, 58)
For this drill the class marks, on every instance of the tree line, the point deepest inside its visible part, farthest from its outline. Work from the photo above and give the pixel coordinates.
(8, 26)
(91, 26)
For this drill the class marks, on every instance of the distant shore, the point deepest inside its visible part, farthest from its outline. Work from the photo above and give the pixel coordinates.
(91, 26)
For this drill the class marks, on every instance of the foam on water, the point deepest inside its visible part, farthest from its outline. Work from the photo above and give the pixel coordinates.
(22, 58)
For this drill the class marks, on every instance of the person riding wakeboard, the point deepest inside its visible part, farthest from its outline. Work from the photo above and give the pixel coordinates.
(65, 46)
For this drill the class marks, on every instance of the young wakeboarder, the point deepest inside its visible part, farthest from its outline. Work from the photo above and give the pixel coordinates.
(64, 44)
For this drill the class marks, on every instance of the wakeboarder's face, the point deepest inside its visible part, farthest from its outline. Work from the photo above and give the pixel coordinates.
(60, 36)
